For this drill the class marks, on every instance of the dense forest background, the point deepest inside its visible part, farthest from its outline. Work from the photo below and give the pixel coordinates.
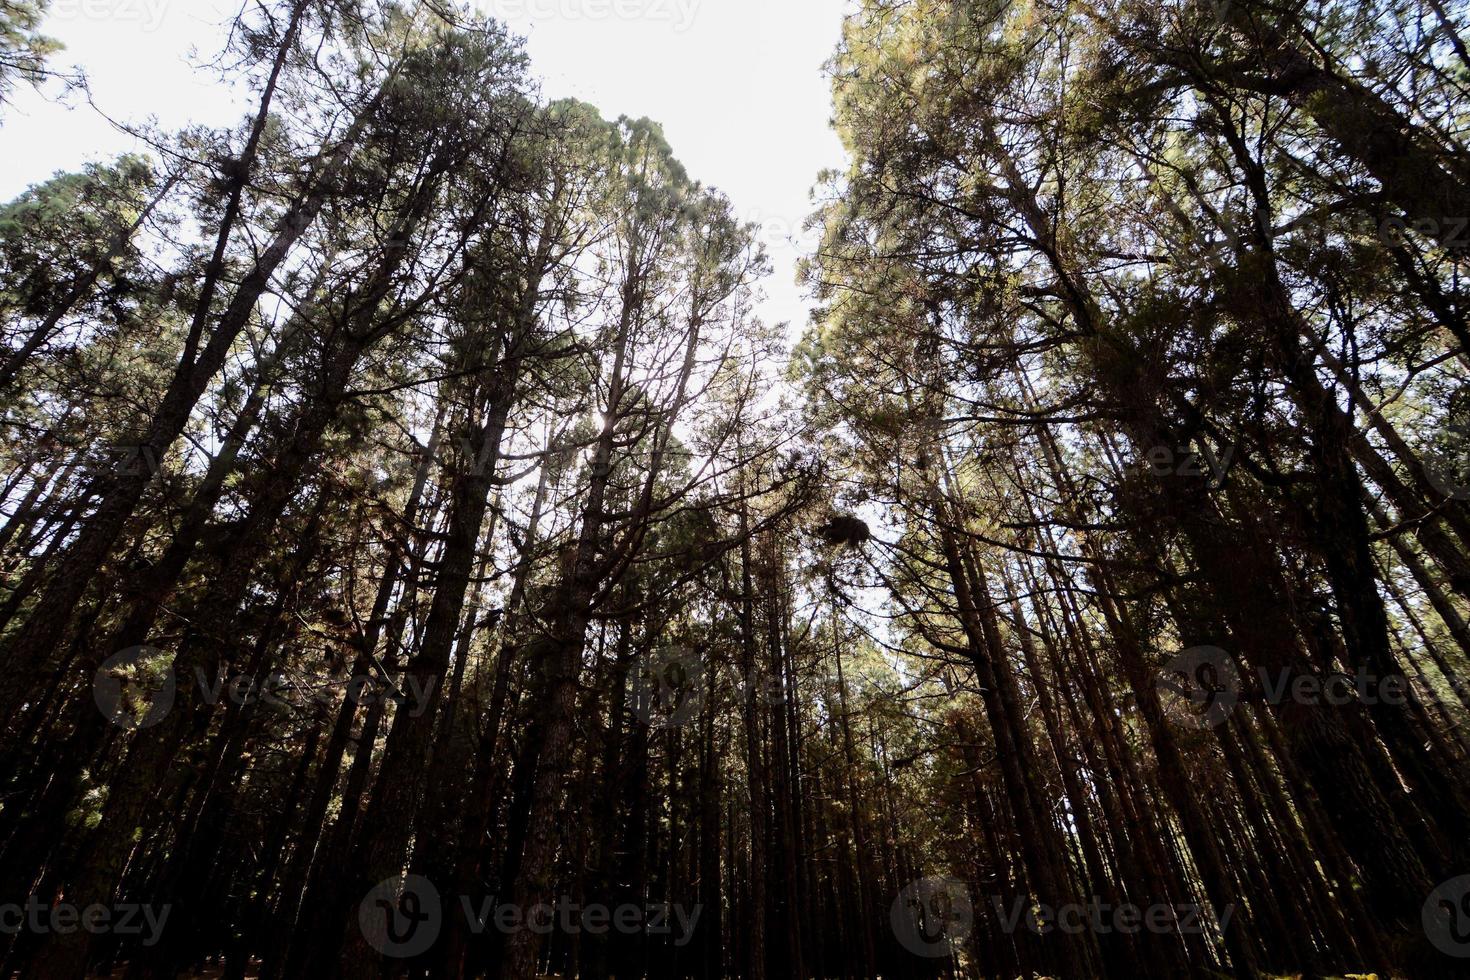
(418, 559)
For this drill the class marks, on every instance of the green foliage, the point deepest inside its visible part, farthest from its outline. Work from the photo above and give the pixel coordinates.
(23, 48)
(57, 233)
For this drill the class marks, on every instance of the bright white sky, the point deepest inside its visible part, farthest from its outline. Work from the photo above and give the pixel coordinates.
(737, 84)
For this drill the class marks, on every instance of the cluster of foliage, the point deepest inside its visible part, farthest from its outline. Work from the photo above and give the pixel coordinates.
(23, 48)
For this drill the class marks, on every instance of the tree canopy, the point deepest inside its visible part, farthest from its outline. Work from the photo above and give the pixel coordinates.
(419, 558)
